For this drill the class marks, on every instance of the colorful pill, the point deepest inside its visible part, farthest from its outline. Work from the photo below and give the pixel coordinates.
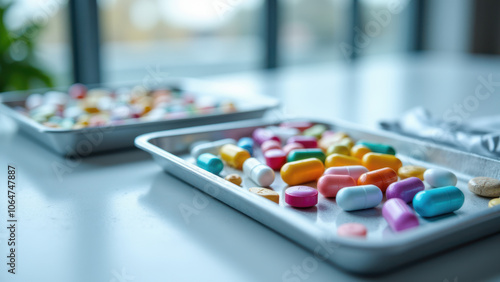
(359, 197)
(347, 141)
(352, 230)
(354, 171)
(270, 145)
(258, 172)
(292, 146)
(302, 154)
(300, 125)
(411, 171)
(329, 185)
(494, 202)
(266, 193)
(438, 177)
(438, 201)
(210, 147)
(302, 171)
(399, 215)
(358, 151)
(234, 155)
(377, 147)
(316, 131)
(373, 161)
(301, 196)
(381, 178)
(485, 186)
(341, 160)
(405, 189)
(275, 158)
(325, 142)
(283, 133)
(247, 144)
(337, 149)
(260, 135)
(308, 142)
(234, 178)
(210, 163)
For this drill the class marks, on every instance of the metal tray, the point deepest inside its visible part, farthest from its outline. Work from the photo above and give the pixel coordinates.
(315, 228)
(86, 141)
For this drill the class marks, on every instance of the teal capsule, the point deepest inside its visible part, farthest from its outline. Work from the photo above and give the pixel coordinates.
(301, 154)
(210, 163)
(247, 144)
(438, 201)
(377, 147)
(315, 130)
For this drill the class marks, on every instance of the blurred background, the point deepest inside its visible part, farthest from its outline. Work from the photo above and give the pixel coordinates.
(58, 42)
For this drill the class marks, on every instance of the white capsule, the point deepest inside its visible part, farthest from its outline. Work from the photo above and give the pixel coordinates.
(284, 133)
(210, 147)
(258, 172)
(438, 177)
(359, 197)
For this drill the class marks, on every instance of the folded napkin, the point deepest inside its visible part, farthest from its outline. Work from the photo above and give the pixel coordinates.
(479, 136)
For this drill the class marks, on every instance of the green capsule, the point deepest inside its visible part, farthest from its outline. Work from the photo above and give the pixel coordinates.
(337, 149)
(315, 130)
(377, 147)
(301, 154)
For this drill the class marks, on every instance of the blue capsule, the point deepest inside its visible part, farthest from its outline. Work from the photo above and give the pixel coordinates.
(438, 201)
(247, 144)
(210, 163)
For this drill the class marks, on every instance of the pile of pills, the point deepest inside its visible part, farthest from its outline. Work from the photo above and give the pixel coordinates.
(313, 160)
(81, 107)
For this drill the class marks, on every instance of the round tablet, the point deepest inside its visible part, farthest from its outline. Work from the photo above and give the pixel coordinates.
(352, 230)
(234, 178)
(485, 186)
(301, 196)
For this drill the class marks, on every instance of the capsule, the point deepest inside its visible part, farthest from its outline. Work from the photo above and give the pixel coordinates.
(354, 171)
(258, 172)
(411, 171)
(275, 158)
(329, 184)
(302, 171)
(300, 125)
(381, 178)
(373, 161)
(260, 135)
(347, 141)
(302, 154)
(316, 131)
(438, 201)
(337, 149)
(247, 144)
(358, 151)
(308, 142)
(332, 139)
(359, 197)
(270, 145)
(292, 146)
(399, 215)
(341, 160)
(438, 177)
(377, 147)
(210, 162)
(234, 155)
(210, 147)
(405, 189)
(283, 133)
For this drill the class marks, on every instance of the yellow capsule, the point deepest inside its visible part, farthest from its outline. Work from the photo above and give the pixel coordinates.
(373, 161)
(341, 160)
(494, 202)
(266, 193)
(358, 151)
(234, 155)
(347, 141)
(302, 171)
(411, 171)
(337, 149)
(234, 178)
(325, 142)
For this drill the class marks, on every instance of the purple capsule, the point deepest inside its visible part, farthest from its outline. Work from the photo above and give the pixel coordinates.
(405, 189)
(399, 215)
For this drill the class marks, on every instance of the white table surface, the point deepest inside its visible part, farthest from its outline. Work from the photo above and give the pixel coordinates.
(116, 217)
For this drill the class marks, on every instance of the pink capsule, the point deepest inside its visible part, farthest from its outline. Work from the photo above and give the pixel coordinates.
(270, 145)
(260, 135)
(77, 91)
(329, 185)
(354, 171)
(399, 215)
(300, 125)
(301, 196)
(275, 158)
(307, 141)
(352, 230)
(292, 146)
